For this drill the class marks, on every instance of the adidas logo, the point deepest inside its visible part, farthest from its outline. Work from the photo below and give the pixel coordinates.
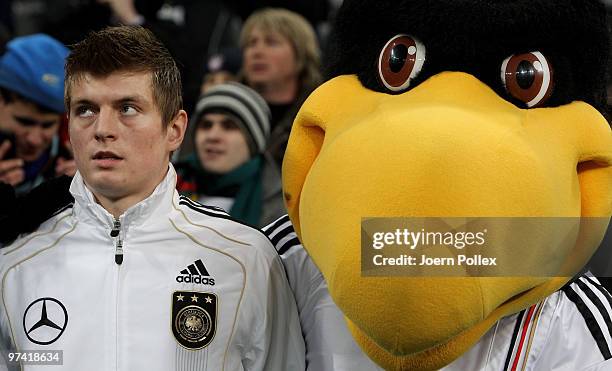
(195, 273)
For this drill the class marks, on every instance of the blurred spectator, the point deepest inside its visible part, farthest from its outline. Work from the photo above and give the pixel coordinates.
(319, 13)
(229, 168)
(315, 11)
(281, 62)
(190, 29)
(31, 109)
(221, 67)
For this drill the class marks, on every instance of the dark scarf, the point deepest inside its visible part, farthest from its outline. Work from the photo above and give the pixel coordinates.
(243, 184)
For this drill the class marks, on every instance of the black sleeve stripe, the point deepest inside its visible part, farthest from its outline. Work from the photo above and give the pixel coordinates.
(206, 211)
(598, 304)
(601, 289)
(202, 206)
(283, 241)
(269, 229)
(223, 216)
(590, 320)
(287, 245)
(284, 228)
(282, 234)
(62, 209)
(515, 332)
(593, 285)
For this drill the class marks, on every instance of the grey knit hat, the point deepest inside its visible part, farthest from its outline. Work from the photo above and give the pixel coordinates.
(243, 103)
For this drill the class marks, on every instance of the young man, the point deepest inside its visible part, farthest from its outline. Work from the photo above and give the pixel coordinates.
(131, 276)
(31, 108)
(229, 168)
(281, 62)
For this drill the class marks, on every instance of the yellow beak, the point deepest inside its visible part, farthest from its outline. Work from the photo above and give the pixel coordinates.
(450, 147)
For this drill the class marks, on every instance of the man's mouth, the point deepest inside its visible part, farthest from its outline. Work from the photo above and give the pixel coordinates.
(258, 67)
(106, 159)
(29, 150)
(213, 152)
(104, 155)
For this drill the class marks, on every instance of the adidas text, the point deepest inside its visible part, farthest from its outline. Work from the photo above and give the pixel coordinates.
(188, 278)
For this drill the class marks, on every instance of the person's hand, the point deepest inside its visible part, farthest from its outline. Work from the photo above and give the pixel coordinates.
(65, 167)
(11, 171)
(124, 10)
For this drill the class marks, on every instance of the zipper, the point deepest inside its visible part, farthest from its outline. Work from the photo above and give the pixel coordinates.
(115, 233)
(118, 242)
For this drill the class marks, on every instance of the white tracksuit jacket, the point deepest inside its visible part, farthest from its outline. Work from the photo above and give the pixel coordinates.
(194, 290)
(571, 330)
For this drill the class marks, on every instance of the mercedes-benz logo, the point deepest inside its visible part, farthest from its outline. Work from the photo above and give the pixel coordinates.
(45, 320)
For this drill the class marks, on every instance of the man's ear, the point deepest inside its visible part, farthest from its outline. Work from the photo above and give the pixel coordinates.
(176, 130)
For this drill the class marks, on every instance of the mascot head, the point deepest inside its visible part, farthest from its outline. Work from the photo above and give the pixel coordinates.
(449, 108)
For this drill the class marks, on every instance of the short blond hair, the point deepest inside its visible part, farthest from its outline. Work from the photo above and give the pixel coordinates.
(299, 33)
(128, 49)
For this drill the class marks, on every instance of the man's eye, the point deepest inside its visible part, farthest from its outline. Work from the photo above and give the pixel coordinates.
(128, 110)
(24, 121)
(229, 125)
(84, 111)
(273, 42)
(48, 124)
(205, 124)
(251, 42)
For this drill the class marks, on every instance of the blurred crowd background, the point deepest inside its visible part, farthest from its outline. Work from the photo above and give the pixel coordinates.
(266, 54)
(193, 30)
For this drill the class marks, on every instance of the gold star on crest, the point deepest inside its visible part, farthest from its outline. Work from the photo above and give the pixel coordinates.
(208, 299)
(179, 297)
(194, 298)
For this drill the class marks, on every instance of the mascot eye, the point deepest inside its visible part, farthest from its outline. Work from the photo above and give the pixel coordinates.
(400, 61)
(528, 77)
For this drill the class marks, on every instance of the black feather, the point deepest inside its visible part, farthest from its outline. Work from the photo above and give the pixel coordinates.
(475, 37)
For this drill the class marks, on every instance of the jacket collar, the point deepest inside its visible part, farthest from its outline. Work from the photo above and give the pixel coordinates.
(160, 201)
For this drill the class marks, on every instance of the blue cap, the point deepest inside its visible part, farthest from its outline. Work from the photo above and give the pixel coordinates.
(33, 67)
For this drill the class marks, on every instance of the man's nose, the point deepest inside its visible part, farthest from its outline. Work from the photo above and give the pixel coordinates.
(105, 126)
(215, 132)
(35, 136)
(256, 48)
